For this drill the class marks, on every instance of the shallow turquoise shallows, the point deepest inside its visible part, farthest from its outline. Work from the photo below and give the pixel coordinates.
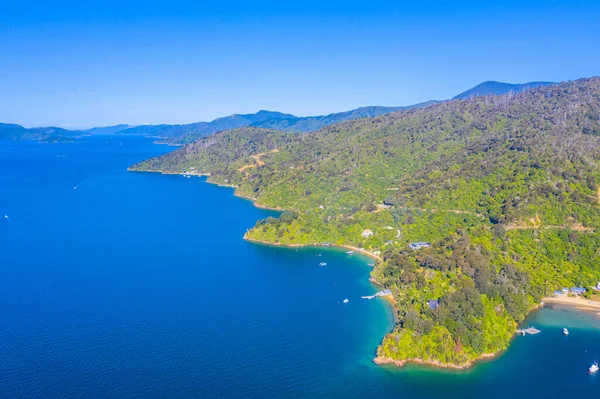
(134, 285)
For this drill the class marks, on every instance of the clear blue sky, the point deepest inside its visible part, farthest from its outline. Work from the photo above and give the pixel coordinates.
(83, 63)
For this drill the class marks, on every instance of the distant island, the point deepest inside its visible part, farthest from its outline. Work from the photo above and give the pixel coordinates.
(498, 195)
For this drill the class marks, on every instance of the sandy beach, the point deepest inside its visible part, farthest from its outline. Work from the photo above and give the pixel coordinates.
(576, 302)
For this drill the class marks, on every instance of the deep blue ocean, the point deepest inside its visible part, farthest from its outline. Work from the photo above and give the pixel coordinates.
(116, 284)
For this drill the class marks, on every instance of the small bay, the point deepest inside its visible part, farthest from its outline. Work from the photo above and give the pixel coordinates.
(139, 285)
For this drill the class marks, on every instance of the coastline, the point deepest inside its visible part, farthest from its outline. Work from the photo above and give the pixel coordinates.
(275, 244)
(253, 200)
(390, 298)
(379, 360)
(382, 360)
(578, 303)
(261, 206)
(246, 197)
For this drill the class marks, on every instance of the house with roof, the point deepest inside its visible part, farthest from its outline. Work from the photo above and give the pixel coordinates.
(367, 233)
(433, 304)
(419, 245)
(577, 290)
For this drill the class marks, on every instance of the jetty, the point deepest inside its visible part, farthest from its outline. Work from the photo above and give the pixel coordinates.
(530, 330)
(378, 294)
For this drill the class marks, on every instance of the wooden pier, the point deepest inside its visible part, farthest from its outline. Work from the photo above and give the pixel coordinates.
(530, 330)
(379, 294)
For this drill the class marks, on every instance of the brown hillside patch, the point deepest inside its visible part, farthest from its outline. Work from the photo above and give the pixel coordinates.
(257, 161)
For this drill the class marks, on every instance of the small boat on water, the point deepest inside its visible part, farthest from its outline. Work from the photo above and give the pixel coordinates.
(565, 331)
(346, 300)
(5, 216)
(594, 368)
(350, 252)
(322, 264)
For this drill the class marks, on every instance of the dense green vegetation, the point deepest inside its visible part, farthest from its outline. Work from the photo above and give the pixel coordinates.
(504, 188)
(230, 149)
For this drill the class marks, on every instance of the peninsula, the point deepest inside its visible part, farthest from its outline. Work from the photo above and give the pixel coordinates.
(477, 208)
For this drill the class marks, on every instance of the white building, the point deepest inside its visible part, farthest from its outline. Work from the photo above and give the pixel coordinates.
(367, 233)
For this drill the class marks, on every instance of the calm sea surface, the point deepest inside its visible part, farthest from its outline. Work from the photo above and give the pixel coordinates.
(135, 285)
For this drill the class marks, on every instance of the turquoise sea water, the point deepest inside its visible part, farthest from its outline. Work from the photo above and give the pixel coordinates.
(134, 285)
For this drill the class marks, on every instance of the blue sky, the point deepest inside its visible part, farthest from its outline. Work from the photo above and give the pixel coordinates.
(84, 63)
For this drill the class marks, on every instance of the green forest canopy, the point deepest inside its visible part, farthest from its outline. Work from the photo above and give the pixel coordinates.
(505, 188)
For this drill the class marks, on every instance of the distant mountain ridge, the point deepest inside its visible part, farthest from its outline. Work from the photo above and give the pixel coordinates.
(498, 88)
(312, 123)
(262, 119)
(186, 133)
(200, 129)
(10, 131)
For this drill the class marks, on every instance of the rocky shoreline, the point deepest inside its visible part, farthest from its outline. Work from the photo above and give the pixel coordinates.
(382, 360)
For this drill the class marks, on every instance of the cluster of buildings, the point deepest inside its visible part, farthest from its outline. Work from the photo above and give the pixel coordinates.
(572, 290)
(366, 233)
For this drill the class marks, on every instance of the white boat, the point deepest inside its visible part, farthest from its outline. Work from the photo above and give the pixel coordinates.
(322, 264)
(5, 216)
(565, 331)
(594, 368)
(346, 300)
(350, 252)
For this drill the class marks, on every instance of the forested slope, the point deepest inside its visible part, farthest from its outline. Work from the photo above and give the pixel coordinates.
(505, 189)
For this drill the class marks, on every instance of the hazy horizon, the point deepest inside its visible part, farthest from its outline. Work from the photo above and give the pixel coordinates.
(71, 64)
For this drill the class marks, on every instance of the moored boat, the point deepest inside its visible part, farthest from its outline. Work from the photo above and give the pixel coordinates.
(565, 331)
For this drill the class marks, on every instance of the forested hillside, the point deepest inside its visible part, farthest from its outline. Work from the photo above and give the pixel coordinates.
(506, 190)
